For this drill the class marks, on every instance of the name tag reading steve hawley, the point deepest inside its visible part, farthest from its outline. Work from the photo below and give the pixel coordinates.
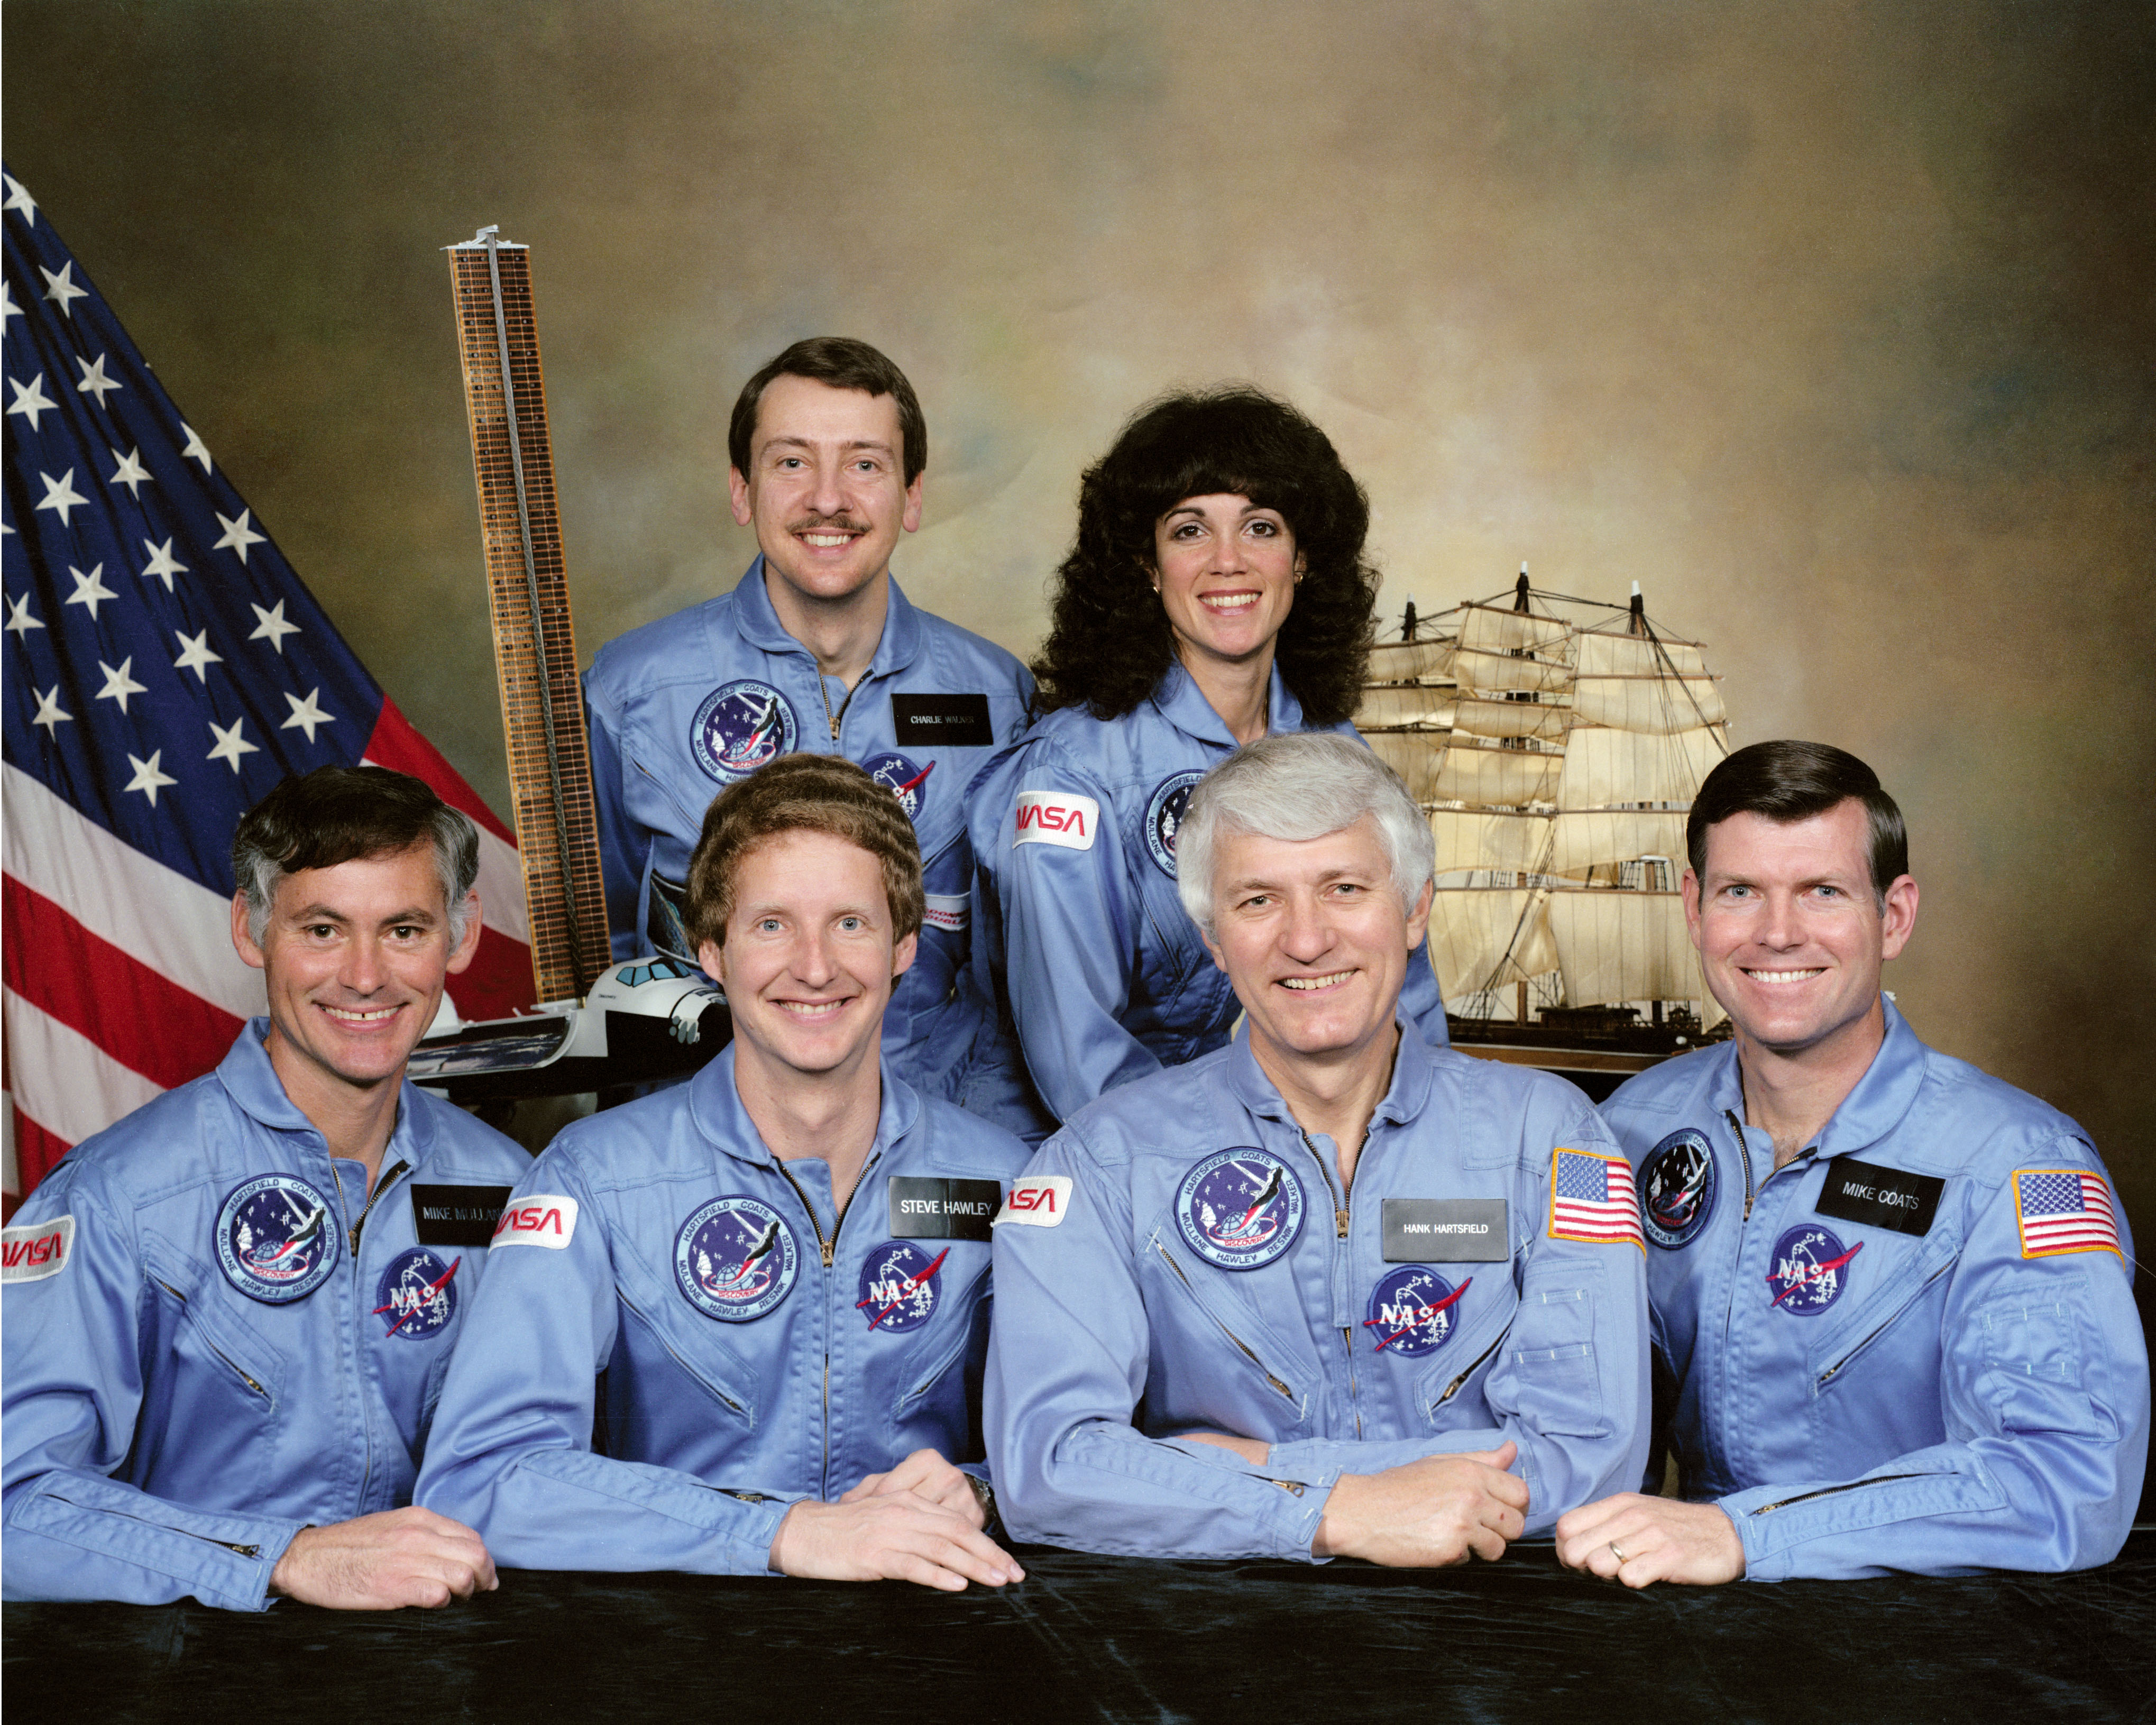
(957, 721)
(943, 1209)
(1879, 1197)
(1445, 1230)
(457, 1215)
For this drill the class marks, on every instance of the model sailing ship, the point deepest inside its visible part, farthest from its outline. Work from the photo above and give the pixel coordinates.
(1556, 744)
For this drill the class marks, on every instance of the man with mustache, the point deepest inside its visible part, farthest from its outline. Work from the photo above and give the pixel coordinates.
(1892, 1296)
(1329, 1291)
(817, 649)
(228, 1316)
(778, 1273)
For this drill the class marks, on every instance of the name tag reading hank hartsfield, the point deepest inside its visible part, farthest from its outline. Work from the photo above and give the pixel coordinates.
(457, 1215)
(1881, 1197)
(943, 1209)
(1445, 1230)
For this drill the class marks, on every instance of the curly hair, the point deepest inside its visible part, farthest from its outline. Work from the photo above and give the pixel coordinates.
(1108, 642)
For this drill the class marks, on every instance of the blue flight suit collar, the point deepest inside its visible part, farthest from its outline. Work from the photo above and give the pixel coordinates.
(253, 1084)
(1178, 700)
(1874, 1110)
(758, 623)
(715, 1105)
(1405, 1097)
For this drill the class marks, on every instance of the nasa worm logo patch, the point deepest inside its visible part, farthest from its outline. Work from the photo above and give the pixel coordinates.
(736, 1260)
(1239, 1209)
(1809, 1271)
(904, 780)
(1164, 817)
(1414, 1311)
(899, 1286)
(740, 726)
(417, 1295)
(1677, 1182)
(275, 1241)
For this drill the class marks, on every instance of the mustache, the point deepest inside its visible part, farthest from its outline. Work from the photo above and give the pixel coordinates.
(839, 523)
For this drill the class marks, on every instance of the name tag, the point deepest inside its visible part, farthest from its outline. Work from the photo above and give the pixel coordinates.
(1447, 1231)
(958, 721)
(943, 1209)
(1879, 1197)
(457, 1215)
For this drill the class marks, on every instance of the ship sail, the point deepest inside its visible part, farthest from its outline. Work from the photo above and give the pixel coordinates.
(1557, 744)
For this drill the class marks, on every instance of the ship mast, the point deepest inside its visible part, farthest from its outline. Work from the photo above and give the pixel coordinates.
(535, 646)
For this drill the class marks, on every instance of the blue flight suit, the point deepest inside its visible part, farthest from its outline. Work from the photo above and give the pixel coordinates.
(1086, 972)
(683, 707)
(215, 1338)
(1918, 1358)
(750, 1349)
(1179, 1258)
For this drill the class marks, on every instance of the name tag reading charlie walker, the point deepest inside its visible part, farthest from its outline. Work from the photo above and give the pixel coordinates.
(457, 1215)
(1879, 1197)
(1445, 1230)
(958, 721)
(943, 1209)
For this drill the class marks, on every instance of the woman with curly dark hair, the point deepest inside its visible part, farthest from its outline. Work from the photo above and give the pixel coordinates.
(1216, 592)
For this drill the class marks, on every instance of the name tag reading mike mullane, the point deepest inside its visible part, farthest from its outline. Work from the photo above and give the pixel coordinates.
(1447, 1231)
(943, 1209)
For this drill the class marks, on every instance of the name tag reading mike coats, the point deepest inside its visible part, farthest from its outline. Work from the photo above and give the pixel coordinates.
(1879, 1197)
(1447, 1231)
(943, 1209)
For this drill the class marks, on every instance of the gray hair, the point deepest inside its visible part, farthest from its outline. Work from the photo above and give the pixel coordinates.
(1297, 786)
(340, 814)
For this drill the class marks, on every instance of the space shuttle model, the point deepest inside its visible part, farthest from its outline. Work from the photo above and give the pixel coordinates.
(598, 1023)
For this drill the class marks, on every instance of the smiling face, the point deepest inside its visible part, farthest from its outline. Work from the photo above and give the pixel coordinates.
(1314, 938)
(1227, 573)
(354, 960)
(808, 960)
(826, 489)
(1789, 934)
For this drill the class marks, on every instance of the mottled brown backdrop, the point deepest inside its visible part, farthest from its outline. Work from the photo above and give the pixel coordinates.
(1831, 323)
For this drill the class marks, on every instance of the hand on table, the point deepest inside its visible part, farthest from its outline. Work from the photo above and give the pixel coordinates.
(379, 1562)
(925, 1473)
(1441, 1510)
(1641, 1540)
(896, 1534)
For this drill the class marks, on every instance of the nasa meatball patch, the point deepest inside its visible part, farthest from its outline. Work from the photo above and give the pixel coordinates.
(1164, 818)
(1676, 1185)
(1239, 1209)
(735, 1259)
(898, 774)
(1809, 1271)
(275, 1241)
(899, 1286)
(742, 725)
(1413, 1311)
(417, 1295)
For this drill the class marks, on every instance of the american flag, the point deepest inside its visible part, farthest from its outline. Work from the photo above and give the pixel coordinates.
(165, 669)
(2063, 1209)
(1592, 1197)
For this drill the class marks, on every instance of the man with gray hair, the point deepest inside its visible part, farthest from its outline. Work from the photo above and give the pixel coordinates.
(1192, 1358)
(228, 1316)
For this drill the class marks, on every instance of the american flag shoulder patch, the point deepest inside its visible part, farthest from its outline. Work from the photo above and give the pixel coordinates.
(2063, 1209)
(1592, 1197)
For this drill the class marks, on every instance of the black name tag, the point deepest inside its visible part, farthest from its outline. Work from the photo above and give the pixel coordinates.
(457, 1215)
(1879, 1197)
(943, 1209)
(1447, 1231)
(958, 721)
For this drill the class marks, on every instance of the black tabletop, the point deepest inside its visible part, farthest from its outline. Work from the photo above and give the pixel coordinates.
(1110, 1639)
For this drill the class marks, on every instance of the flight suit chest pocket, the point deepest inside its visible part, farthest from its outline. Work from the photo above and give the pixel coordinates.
(2034, 1374)
(696, 1346)
(211, 1342)
(1550, 1351)
(1214, 1314)
(1901, 1273)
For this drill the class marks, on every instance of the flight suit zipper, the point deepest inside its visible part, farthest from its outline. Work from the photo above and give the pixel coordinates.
(238, 1369)
(1884, 1479)
(687, 1370)
(1340, 1218)
(359, 1305)
(1248, 1353)
(828, 1250)
(835, 719)
(1879, 1329)
(1474, 1366)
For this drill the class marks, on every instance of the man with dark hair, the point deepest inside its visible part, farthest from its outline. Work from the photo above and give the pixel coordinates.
(778, 1273)
(1891, 1294)
(815, 648)
(229, 1316)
